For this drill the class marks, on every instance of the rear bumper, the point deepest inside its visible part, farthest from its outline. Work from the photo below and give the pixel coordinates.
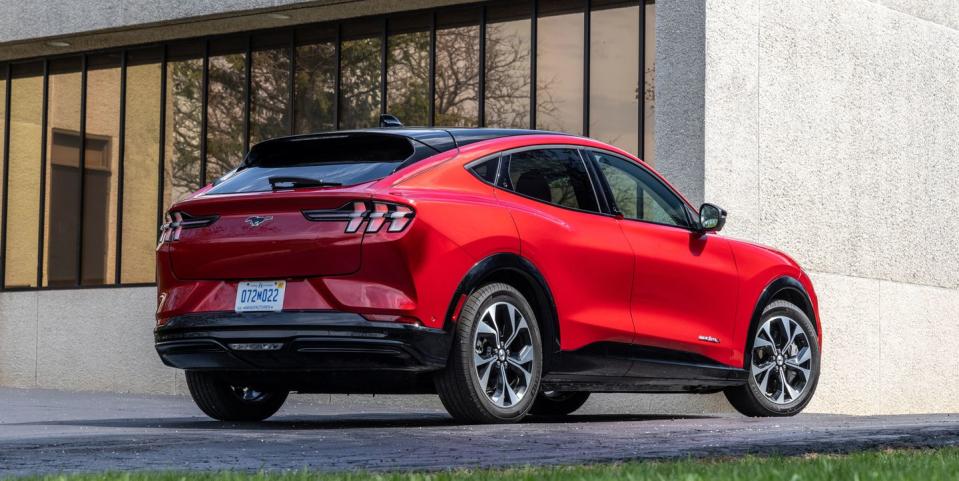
(298, 341)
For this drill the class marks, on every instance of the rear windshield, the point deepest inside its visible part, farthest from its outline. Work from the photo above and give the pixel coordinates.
(326, 161)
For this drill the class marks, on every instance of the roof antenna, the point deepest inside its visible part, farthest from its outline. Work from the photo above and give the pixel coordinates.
(387, 120)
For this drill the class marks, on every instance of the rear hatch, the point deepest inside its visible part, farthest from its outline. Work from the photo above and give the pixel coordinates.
(251, 223)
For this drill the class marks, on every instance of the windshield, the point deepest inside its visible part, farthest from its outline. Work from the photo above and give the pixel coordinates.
(324, 160)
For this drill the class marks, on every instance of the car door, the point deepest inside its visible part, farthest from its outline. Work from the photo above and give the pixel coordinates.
(580, 250)
(685, 283)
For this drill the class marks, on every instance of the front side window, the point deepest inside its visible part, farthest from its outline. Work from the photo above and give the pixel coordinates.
(556, 176)
(638, 194)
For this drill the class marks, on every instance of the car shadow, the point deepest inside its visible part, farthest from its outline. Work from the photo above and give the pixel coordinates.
(335, 422)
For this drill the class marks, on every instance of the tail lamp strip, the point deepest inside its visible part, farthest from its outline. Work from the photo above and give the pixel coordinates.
(375, 214)
(175, 222)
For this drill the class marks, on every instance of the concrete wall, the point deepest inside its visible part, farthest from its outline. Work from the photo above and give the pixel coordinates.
(831, 131)
(102, 340)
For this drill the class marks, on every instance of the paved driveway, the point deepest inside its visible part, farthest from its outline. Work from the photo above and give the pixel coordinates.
(52, 431)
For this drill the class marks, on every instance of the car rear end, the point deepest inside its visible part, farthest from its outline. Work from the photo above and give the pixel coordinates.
(297, 262)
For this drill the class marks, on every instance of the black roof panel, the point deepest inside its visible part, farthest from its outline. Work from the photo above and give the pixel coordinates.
(439, 139)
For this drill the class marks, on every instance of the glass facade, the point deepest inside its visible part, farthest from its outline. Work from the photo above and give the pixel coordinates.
(96, 146)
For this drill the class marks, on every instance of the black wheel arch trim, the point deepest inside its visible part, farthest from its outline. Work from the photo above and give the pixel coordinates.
(506, 262)
(772, 291)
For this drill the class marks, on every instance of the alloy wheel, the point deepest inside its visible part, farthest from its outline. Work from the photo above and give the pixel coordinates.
(503, 354)
(247, 394)
(781, 360)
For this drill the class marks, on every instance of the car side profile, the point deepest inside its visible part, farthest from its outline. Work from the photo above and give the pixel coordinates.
(512, 272)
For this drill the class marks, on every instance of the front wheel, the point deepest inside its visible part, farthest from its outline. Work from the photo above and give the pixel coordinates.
(220, 399)
(782, 363)
(493, 372)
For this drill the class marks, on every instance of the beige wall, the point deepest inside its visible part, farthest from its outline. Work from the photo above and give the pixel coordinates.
(831, 130)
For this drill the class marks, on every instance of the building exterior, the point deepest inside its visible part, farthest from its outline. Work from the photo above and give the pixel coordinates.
(827, 129)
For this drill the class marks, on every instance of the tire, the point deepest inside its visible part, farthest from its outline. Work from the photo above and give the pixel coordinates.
(476, 346)
(220, 400)
(764, 395)
(555, 404)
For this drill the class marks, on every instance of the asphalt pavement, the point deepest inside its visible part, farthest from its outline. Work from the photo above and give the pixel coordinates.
(53, 431)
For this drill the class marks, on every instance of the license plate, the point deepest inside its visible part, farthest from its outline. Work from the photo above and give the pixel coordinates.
(260, 296)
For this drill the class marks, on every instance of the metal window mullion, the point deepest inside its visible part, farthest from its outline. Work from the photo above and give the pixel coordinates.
(432, 83)
(337, 60)
(534, 45)
(482, 68)
(43, 169)
(83, 166)
(247, 92)
(121, 154)
(6, 172)
(162, 140)
(204, 100)
(586, 66)
(291, 84)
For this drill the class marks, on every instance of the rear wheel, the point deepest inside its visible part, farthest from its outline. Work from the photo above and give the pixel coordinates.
(556, 403)
(225, 401)
(496, 359)
(783, 364)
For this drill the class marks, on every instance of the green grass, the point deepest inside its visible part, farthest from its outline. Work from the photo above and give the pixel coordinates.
(918, 465)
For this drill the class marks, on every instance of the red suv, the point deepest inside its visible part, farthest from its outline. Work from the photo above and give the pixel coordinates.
(512, 272)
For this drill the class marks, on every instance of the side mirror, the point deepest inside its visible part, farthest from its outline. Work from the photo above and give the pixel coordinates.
(712, 218)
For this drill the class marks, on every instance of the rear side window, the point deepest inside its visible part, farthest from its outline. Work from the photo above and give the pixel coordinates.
(486, 169)
(556, 176)
(317, 161)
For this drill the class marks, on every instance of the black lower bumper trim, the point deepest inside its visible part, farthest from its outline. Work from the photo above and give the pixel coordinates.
(298, 341)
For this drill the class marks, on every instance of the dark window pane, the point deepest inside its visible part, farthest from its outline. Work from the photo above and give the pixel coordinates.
(360, 75)
(140, 167)
(225, 105)
(559, 66)
(639, 194)
(408, 70)
(315, 79)
(486, 170)
(23, 196)
(183, 116)
(62, 203)
(649, 117)
(269, 94)
(100, 170)
(614, 75)
(457, 69)
(508, 52)
(557, 176)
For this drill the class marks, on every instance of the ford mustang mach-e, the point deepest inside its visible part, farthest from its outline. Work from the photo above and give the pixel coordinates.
(512, 272)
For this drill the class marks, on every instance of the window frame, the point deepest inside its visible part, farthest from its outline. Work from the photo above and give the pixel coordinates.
(607, 191)
(502, 173)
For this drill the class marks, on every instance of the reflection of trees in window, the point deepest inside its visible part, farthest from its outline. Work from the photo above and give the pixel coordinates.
(408, 77)
(457, 77)
(360, 83)
(269, 94)
(184, 113)
(315, 78)
(225, 105)
(559, 65)
(614, 73)
(508, 74)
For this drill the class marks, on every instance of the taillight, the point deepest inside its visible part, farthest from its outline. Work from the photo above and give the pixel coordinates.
(175, 222)
(375, 214)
